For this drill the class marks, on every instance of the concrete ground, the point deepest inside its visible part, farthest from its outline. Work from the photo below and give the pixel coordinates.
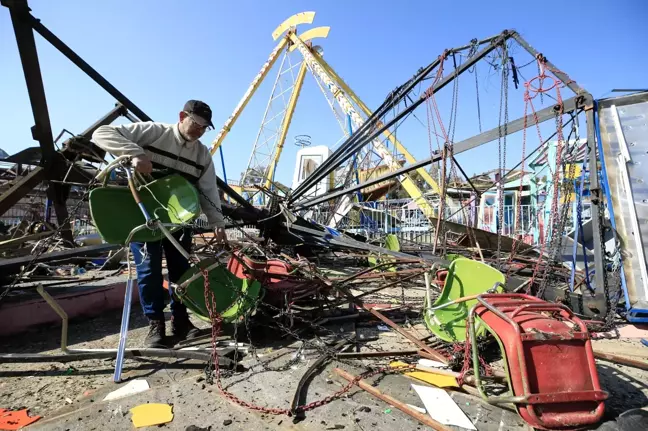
(69, 396)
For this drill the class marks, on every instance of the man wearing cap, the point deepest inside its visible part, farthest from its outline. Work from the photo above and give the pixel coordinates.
(173, 148)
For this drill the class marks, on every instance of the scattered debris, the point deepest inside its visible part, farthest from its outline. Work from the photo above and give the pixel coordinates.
(295, 273)
(15, 420)
(131, 388)
(441, 407)
(392, 401)
(146, 415)
(436, 379)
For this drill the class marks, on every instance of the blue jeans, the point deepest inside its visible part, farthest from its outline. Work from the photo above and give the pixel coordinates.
(148, 261)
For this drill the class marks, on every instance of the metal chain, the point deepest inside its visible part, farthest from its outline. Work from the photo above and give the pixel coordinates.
(502, 151)
(217, 374)
(474, 45)
(610, 311)
(558, 228)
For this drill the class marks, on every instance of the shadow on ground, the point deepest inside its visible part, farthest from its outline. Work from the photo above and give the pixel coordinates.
(81, 330)
(625, 391)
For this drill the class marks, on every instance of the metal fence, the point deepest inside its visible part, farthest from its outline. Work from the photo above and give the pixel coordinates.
(27, 212)
(399, 217)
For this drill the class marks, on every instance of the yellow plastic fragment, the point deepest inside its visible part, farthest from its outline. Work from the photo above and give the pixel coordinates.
(438, 380)
(146, 415)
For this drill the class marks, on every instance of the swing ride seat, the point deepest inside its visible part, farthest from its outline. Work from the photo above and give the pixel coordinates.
(275, 277)
(391, 243)
(234, 297)
(115, 213)
(548, 358)
(465, 277)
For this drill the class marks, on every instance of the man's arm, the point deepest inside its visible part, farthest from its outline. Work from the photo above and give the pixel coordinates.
(127, 139)
(209, 198)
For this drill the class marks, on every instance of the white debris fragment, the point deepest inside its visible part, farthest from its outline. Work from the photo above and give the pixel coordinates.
(442, 408)
(131, 388)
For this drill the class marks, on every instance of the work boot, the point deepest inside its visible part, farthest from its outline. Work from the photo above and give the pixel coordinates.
(156, 337)
(183, 329)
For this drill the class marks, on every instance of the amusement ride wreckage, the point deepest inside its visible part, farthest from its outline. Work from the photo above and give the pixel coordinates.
(524, 297)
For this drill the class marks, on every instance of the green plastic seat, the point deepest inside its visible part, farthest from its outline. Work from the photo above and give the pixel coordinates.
(172, 199)
(465, 277)
(234, 297)
(391, 243)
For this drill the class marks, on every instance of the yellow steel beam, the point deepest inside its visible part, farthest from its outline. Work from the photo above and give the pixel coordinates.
(295, 20)
(256, 82)
(408, 156)
(285, 124)
(410, 186)
(313, 33)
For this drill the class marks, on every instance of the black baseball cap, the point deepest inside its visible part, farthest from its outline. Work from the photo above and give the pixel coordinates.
(200, 111)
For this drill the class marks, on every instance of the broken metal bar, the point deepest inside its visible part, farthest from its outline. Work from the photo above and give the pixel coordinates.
(321, 172)
(378, 289)
(82, 355)
(418, 274)
(296, 408)
(42, 130)
(23, 186)
(343, 152)
(423, 418)
(596, 200)
(88, 149)
(375, 354)
(466, 176)
(222, 185)
(16, 242)
(386, 274)
(393, 98)
(347, 242)
(373, 268)
(118, 111)
(459, 147)
(437, 356)
(433, 353)
(20, 188)
(8, 266)
(636, 363)
(58, 193)
(61, 313)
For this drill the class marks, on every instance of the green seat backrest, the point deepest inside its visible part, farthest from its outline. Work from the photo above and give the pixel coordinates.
(115, 214)
(466, 277)
(234, 297)
(391, 244)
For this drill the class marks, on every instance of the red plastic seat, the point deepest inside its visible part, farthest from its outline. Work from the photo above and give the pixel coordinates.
(549, 359)
(274, 276)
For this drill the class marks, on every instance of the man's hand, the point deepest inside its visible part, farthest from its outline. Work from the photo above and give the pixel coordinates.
(220, 235)
(142, 164)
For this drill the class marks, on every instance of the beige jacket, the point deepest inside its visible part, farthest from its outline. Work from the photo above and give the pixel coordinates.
(167, 149)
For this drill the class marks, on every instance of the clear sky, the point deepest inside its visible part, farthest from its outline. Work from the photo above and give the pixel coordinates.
(162, 52)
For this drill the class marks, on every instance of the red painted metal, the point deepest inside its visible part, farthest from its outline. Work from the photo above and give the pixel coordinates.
(550, 360)
(275, 275)
(440, 278)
